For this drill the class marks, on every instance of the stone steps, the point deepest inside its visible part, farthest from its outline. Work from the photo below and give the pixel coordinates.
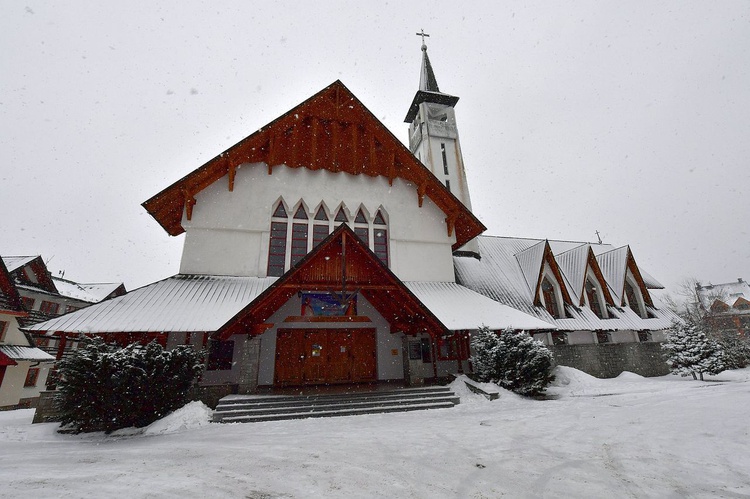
(255, 408)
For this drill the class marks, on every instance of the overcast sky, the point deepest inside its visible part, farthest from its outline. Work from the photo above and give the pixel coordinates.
(630, 118)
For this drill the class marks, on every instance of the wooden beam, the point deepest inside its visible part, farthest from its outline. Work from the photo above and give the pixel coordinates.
(231, 171)
(450, 221)
(392, 168)
(421, 189)
(189, 203)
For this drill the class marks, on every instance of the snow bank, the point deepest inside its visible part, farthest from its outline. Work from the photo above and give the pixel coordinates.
(193, 415)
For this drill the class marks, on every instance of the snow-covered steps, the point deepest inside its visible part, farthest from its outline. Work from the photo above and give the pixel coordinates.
(254, 408)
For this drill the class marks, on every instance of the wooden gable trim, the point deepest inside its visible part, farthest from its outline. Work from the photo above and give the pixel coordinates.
(331, 130)
(549, 258)
(323, 269)
(594, 265)
(633, 267)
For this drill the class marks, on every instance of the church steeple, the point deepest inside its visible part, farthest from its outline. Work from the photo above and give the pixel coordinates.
(433, 135)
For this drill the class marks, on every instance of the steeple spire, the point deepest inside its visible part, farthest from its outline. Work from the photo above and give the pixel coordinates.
(427, 80)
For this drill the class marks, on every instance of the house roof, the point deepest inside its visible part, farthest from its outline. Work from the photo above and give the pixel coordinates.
(18, 353)
(15, 262)
(10, 300)
(189, 303)
(36, 274)
(500, 276)
(459, 308)
(331, 130)
(88, 292)
(727, 292)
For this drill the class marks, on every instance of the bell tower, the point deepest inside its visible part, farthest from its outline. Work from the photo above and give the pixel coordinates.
(433, 136)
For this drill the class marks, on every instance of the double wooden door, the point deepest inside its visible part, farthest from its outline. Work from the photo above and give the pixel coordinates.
(323, 356)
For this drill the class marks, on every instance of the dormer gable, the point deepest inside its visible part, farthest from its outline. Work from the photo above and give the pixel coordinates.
(30, 271)
(587, 284)
(626, 284)
(741, 304)
(719, 306)
(334, 131)
(546, 281)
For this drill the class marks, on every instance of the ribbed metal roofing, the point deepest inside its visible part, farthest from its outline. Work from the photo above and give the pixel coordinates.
(530, 261)
(92, 293)
(613, 265)
(499, 276)
(16, 352)
(15, 262)
(573, 264)
(181, 303)
(461, 308)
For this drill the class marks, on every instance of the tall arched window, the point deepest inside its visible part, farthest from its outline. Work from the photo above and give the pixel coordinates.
(277, 246)
(362, 227)
(595, 302)
(380, 237)
(549, 295)
(299, 235)
(321, 227)
(634, 298)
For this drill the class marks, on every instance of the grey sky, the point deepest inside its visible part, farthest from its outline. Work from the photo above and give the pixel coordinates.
(631, 118)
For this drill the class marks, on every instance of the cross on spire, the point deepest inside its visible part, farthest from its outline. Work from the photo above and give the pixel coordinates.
(423, 34)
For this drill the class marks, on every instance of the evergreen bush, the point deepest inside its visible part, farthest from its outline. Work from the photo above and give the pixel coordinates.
(514, 360)
(689, 351)
(104, 388)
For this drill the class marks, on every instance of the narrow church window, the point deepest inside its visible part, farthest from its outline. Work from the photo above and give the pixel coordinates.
(445, 158)
(378, 220)
(341, 216)
(592, 293)
(361, 227)
(301, 214)
(277, 248)
(380, 238)
(550, 299)
(448, 184)
(280, 211)
(632, 297)
(299, 243)
(321, 214)
(320, 230)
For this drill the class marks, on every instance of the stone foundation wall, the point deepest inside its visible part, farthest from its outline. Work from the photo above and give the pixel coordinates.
(609, 360)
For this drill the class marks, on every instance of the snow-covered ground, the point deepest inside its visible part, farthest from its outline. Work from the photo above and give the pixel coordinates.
(625, 437)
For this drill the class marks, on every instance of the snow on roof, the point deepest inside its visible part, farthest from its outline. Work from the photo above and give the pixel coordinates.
(727, 292)
(499, 276)
(15, 262)
(92, 292)
(183, 302)
(613, 264)
(16, 352)
(573, 264)
(461, 308)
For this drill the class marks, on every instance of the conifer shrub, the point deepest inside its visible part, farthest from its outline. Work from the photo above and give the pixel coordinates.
(513, 360)
(689, 351)
(104, 387)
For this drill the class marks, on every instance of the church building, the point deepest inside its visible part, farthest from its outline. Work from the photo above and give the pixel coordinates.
(321, 250)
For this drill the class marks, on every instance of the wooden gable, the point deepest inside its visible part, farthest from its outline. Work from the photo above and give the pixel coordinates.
(594, 265)
(10, 300)
(340, 264)
(633, 267)
(332, 130)
(549, 258)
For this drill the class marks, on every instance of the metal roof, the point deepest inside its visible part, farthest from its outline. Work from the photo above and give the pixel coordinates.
(180, 303)
(92, 293)
(499, 275)
(461, 308)
(15, 262)
(16, 352)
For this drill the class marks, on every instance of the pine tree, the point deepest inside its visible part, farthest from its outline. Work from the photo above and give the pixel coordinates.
(513, 360)
(104, 388)
(689, 351)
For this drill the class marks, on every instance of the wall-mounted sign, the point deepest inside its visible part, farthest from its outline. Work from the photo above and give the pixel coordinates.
(327, 304)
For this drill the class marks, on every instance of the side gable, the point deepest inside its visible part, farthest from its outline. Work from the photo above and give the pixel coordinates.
(340, 264)
(615, 265)
(332, 130)
(532, 263)
(32, 271)
(574, 264)
(10, 300)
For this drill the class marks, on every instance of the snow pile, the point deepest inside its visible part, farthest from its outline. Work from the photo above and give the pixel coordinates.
(192, 415)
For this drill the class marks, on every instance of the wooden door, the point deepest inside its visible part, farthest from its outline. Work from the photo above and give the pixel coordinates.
(364, 355)
(290, 356)
(316, 355)
(339, 356)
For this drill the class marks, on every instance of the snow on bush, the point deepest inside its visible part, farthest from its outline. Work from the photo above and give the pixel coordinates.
(513, 359)
(689, 351)
(104, 388)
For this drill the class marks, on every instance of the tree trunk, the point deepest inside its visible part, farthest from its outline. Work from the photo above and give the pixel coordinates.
(694, 376)
(701, 376)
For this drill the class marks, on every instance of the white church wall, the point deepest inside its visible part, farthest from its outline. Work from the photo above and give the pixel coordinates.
(229, 231)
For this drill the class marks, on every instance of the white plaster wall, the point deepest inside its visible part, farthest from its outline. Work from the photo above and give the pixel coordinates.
(12, 387)
(389, 366)
(581, 338)
(228, 233)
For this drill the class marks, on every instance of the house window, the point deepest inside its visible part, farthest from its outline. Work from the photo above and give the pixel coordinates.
(426, 350)
(41, 341)
(220, 354)
(320, 227)
(559, 339)
(633, 299)
(31, 377)
(341, 216)
(362, 227)
(602, 337)
(28, 303)
(549, 294)
(592, 293)
(448, 184)
(70, 308)
(454, 347)
(3, 329)
(445, 158)
(299, 242)
(48, 307)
